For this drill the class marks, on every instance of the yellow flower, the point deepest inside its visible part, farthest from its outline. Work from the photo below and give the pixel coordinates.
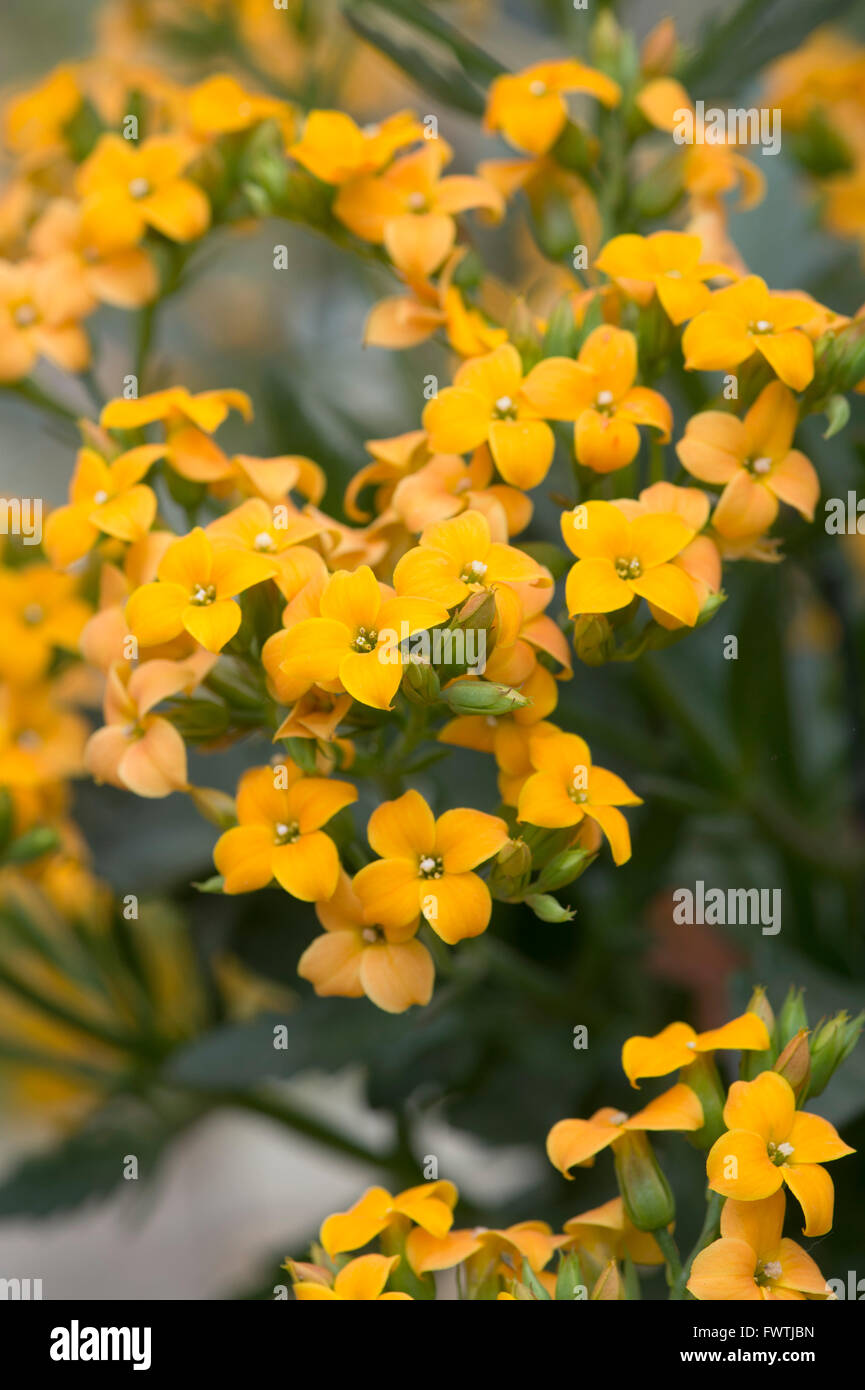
(426, 866)
(597, 392)
(429, 1206)
(746, 318)
(361, 1280)
(105, 498)
(565, 787)
(279, 835)
(189, 420)
(668, 264)
(356, 639)
(39, 611)
(354, 958)
(126, 188)
(768, 1143)
(678, 1045)
(137, 749)
(752, 1262)
(753, 460)
(607, 1233)
(336, 149)
(458, 557)
(529, 107)
(619, 560)
(195, 592)
(220, 105)
(487, 404)
(41, 303)
(572, 1143)
(126, 277)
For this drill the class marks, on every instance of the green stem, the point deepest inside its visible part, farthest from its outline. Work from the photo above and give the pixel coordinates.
(34, 395)
(709, 1233)
(670, 1251)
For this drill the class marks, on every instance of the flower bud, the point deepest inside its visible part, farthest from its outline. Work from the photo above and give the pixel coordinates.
(569, 1281)
(792, 1017)
(199, 720)
(752, 1063)
(216, 806)
(593, 639)
(703, 1079)
(563, 869)
(794, 1064)
(644, 1188)
(608, 1286)
(482, 697)
(420, 684)
(658, 52)
(510, 872)
(42, 839)
(831, 1044)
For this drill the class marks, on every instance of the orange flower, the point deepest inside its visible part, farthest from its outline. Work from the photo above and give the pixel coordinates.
(754, 461)
(189, 420)
(105, 498)
(487, 404)
(195, 592)
(768, 1143)
(667, 264)
(565, 787)
(426, 866)
(429, 1206)
(606, 1233)
(709, 170)
(620, 559)
(39, 611)
(356, 640)
(219, 105)
(752, 1263)
(746, 318)
(335, 149)
(678, 1046)
(410, 208)
(355, 958)
(457, 558)
(361, 1280)
(41, 303)
(700, 560)
(40, 741)
(254, 528)
(136, 749)
(447, 485)
(126, 188)
(127, 278)
(279, 835)
(529, 107)
(572, 1143)
(598, 393)
(34, 123)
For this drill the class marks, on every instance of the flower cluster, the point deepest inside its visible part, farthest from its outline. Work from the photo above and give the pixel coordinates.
(230, 603)
(757, 1140)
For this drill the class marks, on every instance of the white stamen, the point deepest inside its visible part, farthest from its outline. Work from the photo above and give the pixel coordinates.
(761, 465)
(138, 188)
(427, 864)
(538, 88)
(605, 398)
(504, 403)
(100, 497)
(263, 541)
(763, 325)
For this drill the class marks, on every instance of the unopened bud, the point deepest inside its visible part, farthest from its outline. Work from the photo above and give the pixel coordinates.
(831, 1044)
(215, 806)
(42, 839)
(792, 1017)
(644, 1188)
(483, 697)
(593, 639)
(563, 869)
(659, 49)
(570, 1277)
(608, 1286)
(794, 1063)
(420, 684)
(199, 720)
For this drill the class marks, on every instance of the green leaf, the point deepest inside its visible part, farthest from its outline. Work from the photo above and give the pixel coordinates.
(448, 85)
(549, 909)
(837, 415)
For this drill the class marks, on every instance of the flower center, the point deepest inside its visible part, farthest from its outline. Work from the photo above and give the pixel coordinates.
(25, 315)
(674, 274)
(628, 567)
(29, 740)
(202, 595)
(431, 866)
(417, 202)
(577, 795)
(366, 640)
(285, 834)
(138, 188)
(780, 1153)
(474, 572)
(371, 935)
(766, 1271)
(604, 400)
(100, 497)
(618, 1117)
(504, 408)
(761, 326)
(33, 614)
(761, 465)
(264, 541)
(538, 88)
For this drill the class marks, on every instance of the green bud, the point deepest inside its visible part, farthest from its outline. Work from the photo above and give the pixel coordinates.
(510, 872)
(792, 1017)
(215, 806)
(563, 869)
(560, 339)
(569, 1280)
(198, 720)
(302, 752)
(608, 1286)
(548, 909)
(42, 839)
(831, 1044)
(794, 1064)
(482, 697)
(420, 684)
(644, 1188)
(533, 1283)
(752, 1063)
(7, 817)
(264, 168)
(703, 1079)
(660, 191)
(837, 415)
(593, 639)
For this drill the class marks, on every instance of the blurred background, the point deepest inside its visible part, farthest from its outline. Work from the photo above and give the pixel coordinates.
(752, 771)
